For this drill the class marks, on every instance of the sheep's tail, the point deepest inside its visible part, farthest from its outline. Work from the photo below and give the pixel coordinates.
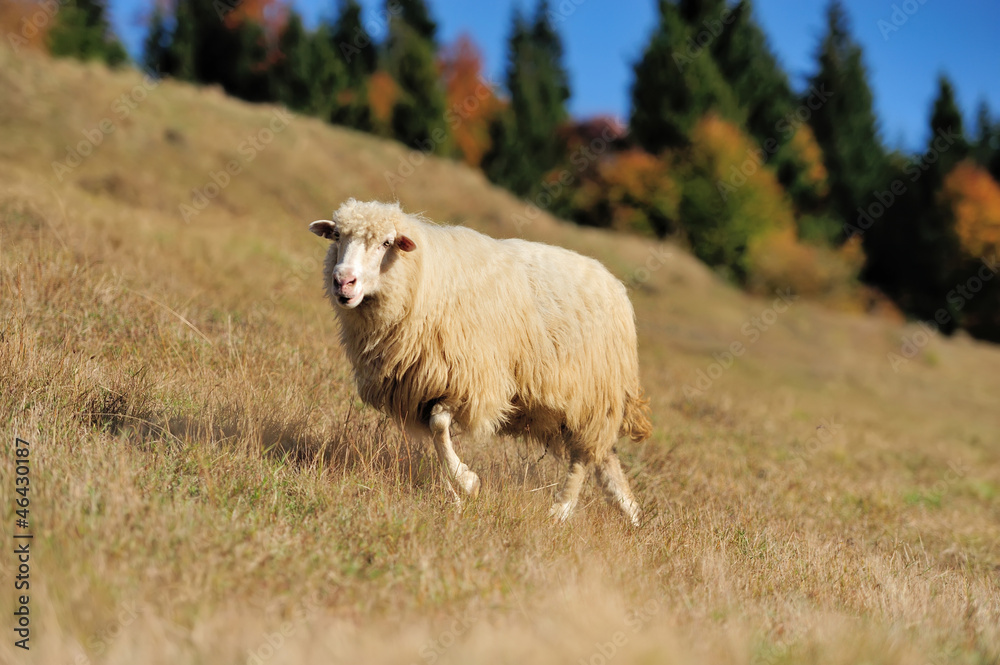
(636, 424)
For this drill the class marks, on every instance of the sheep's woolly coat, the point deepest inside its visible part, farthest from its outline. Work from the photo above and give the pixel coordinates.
(514, 336)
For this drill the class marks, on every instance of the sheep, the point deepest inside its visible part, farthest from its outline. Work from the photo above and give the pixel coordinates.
(446, 326)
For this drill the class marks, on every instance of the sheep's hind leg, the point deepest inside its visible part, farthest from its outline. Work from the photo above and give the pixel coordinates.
(612, 479)
(454, 469)
(569, 493)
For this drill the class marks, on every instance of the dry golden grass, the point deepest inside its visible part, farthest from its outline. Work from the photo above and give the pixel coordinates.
(206, 487)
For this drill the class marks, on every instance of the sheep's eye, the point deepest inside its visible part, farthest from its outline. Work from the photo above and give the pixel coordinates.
(387, 244)
(336, 235)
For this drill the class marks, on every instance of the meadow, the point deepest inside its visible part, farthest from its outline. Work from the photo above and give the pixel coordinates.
(206, 487)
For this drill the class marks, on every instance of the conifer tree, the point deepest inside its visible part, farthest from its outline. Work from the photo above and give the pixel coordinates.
(701, 13)
(358, 59)
(415, 14)
(987, 139)
(675, 85)
(249, 78)
(844, 124)
(418, 116)
(746, 61)
(178, 58)
(157, 44)
(290, 73)
(913, 251)
(82, 31)
(946, 121)
(525, 140)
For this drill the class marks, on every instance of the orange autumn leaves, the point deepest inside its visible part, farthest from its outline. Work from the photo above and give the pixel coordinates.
(761, 214)
(974, 198)
(25, 24)
(471, 101)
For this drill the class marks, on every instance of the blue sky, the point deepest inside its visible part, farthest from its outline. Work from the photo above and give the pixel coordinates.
(603, 38)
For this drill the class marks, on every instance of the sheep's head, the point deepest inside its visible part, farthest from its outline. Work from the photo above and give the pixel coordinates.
(365, 239)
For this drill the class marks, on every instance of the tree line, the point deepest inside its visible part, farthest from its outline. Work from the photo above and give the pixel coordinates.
(775, 187)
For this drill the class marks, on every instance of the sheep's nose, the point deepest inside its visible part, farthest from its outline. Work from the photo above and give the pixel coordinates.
(348, 280)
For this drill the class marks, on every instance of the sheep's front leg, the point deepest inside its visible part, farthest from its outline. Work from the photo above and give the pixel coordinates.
(455, 470)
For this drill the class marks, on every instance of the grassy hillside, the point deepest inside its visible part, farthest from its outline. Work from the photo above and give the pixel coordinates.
(207, 488)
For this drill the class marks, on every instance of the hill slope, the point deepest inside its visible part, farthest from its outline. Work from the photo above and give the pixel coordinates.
(205, 486)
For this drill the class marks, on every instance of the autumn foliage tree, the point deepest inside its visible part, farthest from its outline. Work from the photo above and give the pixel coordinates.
(18, 27)
(974, 199)
(471, 103)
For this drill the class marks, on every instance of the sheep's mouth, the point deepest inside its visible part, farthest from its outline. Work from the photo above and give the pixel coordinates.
(350, 302)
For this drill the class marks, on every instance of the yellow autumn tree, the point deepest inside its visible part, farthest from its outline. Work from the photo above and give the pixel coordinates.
(629, 190)
(738, 216)
(974, 197)
(25, 24)
(383, 92)
(809, 156)
(471, 104)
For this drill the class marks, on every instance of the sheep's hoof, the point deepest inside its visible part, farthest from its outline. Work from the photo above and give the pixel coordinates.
(470, 484)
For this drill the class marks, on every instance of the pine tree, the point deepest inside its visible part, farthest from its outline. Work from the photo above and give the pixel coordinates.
(290, 74)
(845, 124)
(418, 116)
(358, 59)
(675, 85)
(913, 251)
(157, 44)
(353, 42)
(330, 91)
(249, 78)
(748, 64)
(82, 31)
(929, 234)
(987, 149)
(212, 44)
(946, 120)
(415, 14)
(701, 14)
(525, 140)
(178, 59)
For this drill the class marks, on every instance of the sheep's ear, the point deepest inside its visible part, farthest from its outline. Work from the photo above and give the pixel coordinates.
(405, 244)
(323, 228)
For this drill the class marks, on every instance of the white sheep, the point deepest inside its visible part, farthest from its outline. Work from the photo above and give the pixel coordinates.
(446, 325)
